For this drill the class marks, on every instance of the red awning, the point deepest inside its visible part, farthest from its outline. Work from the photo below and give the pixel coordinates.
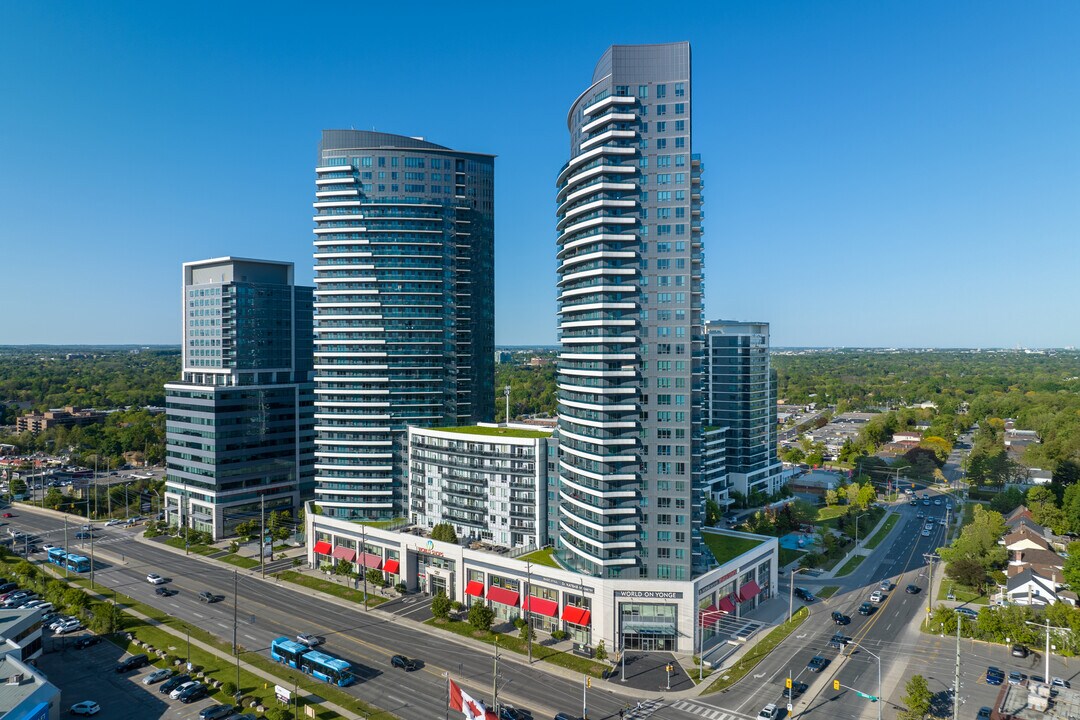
(726, 605)
(711, 618)
(502, 596)
(540, 606)
(323, 548)
(391, 567)
(576, 615)
(748, 591)
(371, 561)
(475, 588)
(710, 609)
(344, 553)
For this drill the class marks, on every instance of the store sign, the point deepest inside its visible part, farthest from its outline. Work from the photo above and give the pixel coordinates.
(649, 594)
(282, 694)
(714, 583)
(428, 548)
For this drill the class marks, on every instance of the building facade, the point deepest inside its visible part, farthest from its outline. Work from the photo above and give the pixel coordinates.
(485, 480)
(630, 278)
(239, 424)
(689, 616)
(404, 308)
(740, 395)
(68, 417)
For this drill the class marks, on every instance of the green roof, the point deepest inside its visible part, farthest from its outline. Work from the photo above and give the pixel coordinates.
(728, 547)
(543, 556)
(496, 431)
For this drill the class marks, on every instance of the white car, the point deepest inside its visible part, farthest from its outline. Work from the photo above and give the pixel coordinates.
(59, 621)
(876, 596)
(177, 691)
(769, 712)
(86, 707)
(926, 533)
(113, 522)
(309, 640)
(157, 676)
(69, 626)
(154, 579)
(47, 547)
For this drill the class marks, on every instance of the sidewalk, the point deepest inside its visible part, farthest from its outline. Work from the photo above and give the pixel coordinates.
(859, 549)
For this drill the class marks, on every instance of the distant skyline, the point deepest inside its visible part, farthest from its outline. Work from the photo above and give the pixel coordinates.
(887, 174)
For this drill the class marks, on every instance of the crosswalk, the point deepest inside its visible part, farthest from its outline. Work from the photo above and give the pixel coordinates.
(643, 709)
(705, 711)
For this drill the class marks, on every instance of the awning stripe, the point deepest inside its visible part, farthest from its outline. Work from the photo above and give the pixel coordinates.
(371, 561)
(502, 596)
(344, 553)
(576, 615)
(323, 548)
(748, 591)
(540, 606)
(726, 605)
(392, 567)
(475, 588)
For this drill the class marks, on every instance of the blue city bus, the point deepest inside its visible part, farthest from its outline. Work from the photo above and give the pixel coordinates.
(58, 556)
(78, 563)
(287, 651)
(325, 667)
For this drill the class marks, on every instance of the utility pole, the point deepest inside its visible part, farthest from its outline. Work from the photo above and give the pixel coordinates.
(67, 571)
(262, 534)
(528, 606)
(495, 679)
(585, 697)
(930, 557)
(235, 610)
(363, 561)
(91, 558)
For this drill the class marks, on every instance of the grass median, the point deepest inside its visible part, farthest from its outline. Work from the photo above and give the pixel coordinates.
(883, 532)
(853, 562)
(330, 588)
(757, 653)
(828, 591)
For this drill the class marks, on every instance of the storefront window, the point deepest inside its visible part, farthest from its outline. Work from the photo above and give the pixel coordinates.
(649, 626)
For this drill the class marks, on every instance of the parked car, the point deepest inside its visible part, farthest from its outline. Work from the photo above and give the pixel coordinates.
(198, 692)
(817, 664)
(59, 620)
(86, 641)
(86, 707)
(400, 661)
(174, 682)
(840, 618)
(309, 640)
(1019, 651)
(867, 608)
(994, 676)
(967, 612)
(912, 589)
(157, 676)
(69, 627)
(1016, 677)
(182, 688)
(1059, 682)
(216, 712)
(133, 663)
(7, 587)
(984, 713)
(769, 712)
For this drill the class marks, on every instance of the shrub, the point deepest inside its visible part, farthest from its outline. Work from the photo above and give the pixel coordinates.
(456, 606)
(400, 587)
(559, 634)
(229, 688)
(444, 532)
(440, 606)
(278, 713)
(481, 616)
(601, 652)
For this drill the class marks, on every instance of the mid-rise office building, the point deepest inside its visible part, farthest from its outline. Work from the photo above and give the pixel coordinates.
(485, 480)
(740, 392)
(404, 309)
(239, 433)
(631, 322)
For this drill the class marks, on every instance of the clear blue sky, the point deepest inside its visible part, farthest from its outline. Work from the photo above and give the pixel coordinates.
(877, 173)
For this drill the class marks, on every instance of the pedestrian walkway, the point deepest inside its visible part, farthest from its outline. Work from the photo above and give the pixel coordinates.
(859, 549)
(707, 712)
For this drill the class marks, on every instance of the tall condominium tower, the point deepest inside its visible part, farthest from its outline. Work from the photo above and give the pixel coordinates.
(239, 434)
(404, 308)
(740, 391)
(631, 499)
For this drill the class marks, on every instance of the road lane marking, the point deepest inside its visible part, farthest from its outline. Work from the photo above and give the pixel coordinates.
(251, 637)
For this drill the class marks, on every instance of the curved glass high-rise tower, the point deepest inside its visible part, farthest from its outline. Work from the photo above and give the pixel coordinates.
(631, 500)
(404, 308)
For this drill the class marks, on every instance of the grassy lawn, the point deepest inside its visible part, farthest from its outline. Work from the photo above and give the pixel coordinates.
(727, 547)
(239, 561)
(516, 644)
(880, 535)
(381, 524)
(828, 591)
(197, 549)
(963, 593)
(505, 432)
(828, 515)
(756, 654)
(541, 557)
(853, 562)
(330, 588)
(788, 556)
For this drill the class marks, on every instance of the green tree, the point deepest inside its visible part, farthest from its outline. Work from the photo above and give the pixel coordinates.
(1007, 500)
(918, 698)
(866, 496)
(831, 497)
(440, 605)
(712, 512)
(967, 571)
(76, 601)
(343, 567)
(481, 616)
(279, 713)
(1071, 568)
(601, 652)
(979, 540)
(444, 532)
(375, 577)
(107, 618)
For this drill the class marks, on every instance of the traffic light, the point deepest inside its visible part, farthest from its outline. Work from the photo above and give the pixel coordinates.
(835, 684)
(787, 683)
(588, 682)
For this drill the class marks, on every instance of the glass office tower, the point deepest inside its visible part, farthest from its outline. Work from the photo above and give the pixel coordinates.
(631, 494)
(239, 433)
(404, 308)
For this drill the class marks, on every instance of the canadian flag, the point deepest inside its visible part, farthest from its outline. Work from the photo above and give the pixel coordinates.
(473, 709)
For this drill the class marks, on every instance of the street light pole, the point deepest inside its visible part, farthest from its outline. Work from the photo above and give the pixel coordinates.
(878, 658)
(857, 529)
(528, 606)
(791, 593)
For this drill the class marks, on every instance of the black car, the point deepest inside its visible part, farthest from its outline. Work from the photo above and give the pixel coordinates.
(817, 664)
(838, 641)
(867, 608)
(172, 683)
(803, 594)
(164, 591)
(133, 663)
(840, 618)
(400, 661)
(797, 688)
(7, 587)
(208, 597)
(1019, 651)
(994, 676)
(82, 536)
(216, 712)
(193, 693)
(565, 716)
(912, 589)
(511, 713)
(86, 641)
(984, 713)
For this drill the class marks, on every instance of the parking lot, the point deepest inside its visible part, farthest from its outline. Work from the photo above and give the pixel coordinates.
(89, 674)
